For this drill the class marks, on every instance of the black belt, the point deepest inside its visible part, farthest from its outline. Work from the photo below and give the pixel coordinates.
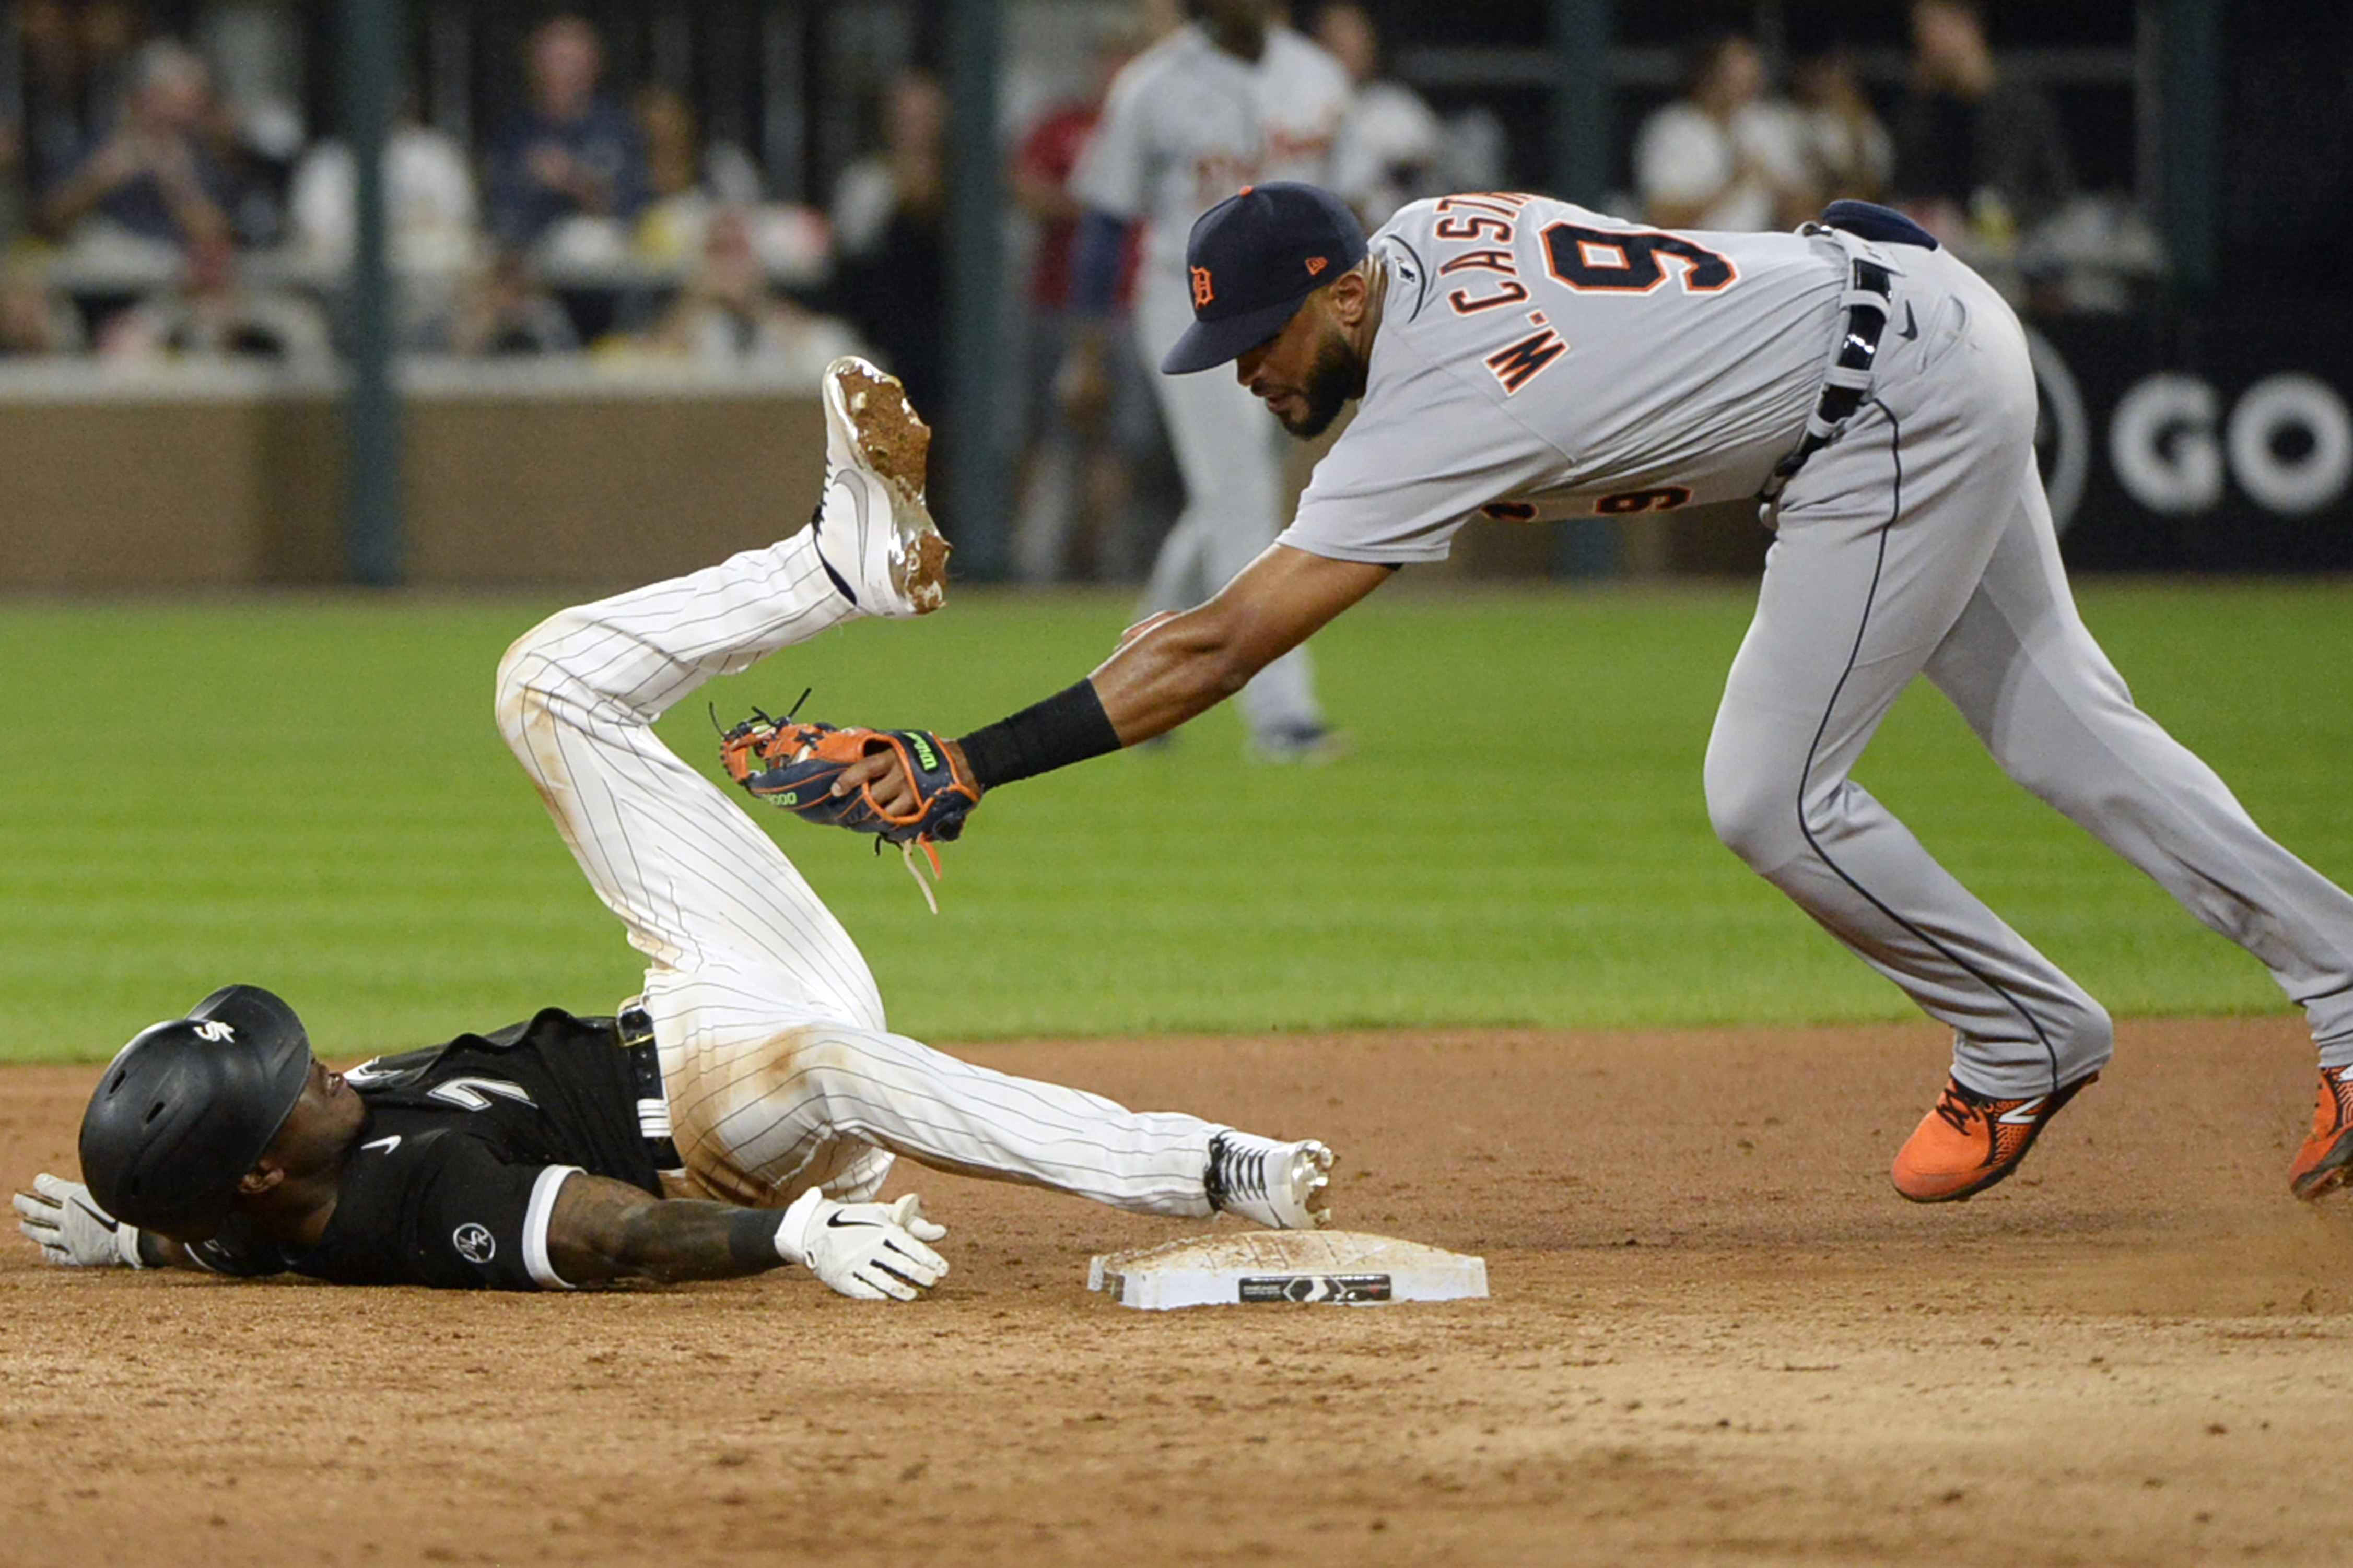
(634, 1028)
(1869, 288)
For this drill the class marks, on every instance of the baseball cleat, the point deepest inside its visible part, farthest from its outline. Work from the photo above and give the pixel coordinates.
(873, 530)
(2326, 1161)
(1308, 745)
(1968, 1141)
(1279, 1186)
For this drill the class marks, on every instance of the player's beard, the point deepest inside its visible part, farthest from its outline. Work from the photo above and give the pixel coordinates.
(1333, 379)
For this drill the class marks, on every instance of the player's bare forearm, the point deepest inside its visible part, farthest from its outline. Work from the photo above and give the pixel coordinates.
(1174, 667)
(603, 1230)
(1164, 671)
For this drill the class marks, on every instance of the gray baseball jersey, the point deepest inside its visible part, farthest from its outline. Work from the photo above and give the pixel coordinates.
(1547, 361)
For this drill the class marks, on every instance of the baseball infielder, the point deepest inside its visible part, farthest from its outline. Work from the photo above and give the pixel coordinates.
(756, 1070)
(1530, 359)
(1225, 99)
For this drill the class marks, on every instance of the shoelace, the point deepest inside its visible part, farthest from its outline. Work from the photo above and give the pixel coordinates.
(907, 855)
(1236, 1172)
(1956, 1108)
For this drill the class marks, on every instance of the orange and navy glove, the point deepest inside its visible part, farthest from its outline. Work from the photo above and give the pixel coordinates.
(794, 764)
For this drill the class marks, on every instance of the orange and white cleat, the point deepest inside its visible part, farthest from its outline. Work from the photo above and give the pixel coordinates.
(2326, 1162)
(1968, 1141)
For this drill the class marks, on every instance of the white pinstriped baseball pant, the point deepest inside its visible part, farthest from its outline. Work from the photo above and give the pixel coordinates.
(780, 1070)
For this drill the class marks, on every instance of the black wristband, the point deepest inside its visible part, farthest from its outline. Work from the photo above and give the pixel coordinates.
(752, 1239)
(1069, 727)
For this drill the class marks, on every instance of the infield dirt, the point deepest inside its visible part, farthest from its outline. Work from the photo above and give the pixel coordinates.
(1716, 1336)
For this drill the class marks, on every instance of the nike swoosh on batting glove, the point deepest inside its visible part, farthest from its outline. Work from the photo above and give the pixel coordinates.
(871, 1251)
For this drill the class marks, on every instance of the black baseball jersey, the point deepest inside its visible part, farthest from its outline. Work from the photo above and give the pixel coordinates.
(465, 1148)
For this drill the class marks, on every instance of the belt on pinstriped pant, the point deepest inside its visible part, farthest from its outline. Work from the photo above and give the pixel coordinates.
(634, 1026)
(1866, 299)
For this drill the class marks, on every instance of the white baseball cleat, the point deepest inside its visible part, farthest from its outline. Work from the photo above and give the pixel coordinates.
(1279, 1186)
(873, 530)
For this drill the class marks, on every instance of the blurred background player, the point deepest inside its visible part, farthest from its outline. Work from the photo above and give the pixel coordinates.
(1229, 99)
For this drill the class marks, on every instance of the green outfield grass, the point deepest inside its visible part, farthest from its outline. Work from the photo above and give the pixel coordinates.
(309, 794)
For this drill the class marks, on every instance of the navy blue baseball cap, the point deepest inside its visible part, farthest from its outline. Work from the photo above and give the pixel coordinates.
(1251, 259)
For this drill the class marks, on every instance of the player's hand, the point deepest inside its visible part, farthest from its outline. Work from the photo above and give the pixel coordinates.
(880, 774)
(872, 1251)
(1143, 626)
(65, 1222)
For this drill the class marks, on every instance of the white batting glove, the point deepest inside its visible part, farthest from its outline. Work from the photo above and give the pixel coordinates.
(868, 1251)
(72, 1232)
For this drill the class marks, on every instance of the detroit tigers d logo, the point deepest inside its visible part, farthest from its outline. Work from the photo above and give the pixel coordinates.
(1202, 292)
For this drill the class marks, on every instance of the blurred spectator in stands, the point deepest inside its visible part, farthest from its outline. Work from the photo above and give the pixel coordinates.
(1978, 157)
(727, 316)
(76, 63)
(16, 208)
(34, 320)
(889, 209)
(1725, 155)
(429, 211)
(575, 154)
(507, 314)
(1390, 145)
(154, 178)
(213, 313)
(687, 181)
(255, 51)
(1083, 433)
(1852, 152)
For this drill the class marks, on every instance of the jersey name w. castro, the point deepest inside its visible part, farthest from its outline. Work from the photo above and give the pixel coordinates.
(465, 1148)
(1537, 361)
(1185, 125)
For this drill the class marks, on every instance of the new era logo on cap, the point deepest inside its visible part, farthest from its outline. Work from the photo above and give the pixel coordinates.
(1253, 259)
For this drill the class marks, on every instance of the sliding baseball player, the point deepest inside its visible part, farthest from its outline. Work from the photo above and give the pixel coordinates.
(736, 1117)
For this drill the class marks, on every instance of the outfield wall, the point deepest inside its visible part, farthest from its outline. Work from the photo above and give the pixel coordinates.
(210, 477)
(2212, 442)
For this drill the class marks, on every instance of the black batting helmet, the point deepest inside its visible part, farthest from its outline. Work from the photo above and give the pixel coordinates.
(186, 1108)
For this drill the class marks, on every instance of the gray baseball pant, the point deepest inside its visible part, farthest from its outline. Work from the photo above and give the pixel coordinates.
(1919, 541)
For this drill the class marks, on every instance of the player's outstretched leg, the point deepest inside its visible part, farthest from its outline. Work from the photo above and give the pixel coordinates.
(873, 529)
(2027, 674)
(759, 1119)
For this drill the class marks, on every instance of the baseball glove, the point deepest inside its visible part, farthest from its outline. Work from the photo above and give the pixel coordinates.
(794, 764)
